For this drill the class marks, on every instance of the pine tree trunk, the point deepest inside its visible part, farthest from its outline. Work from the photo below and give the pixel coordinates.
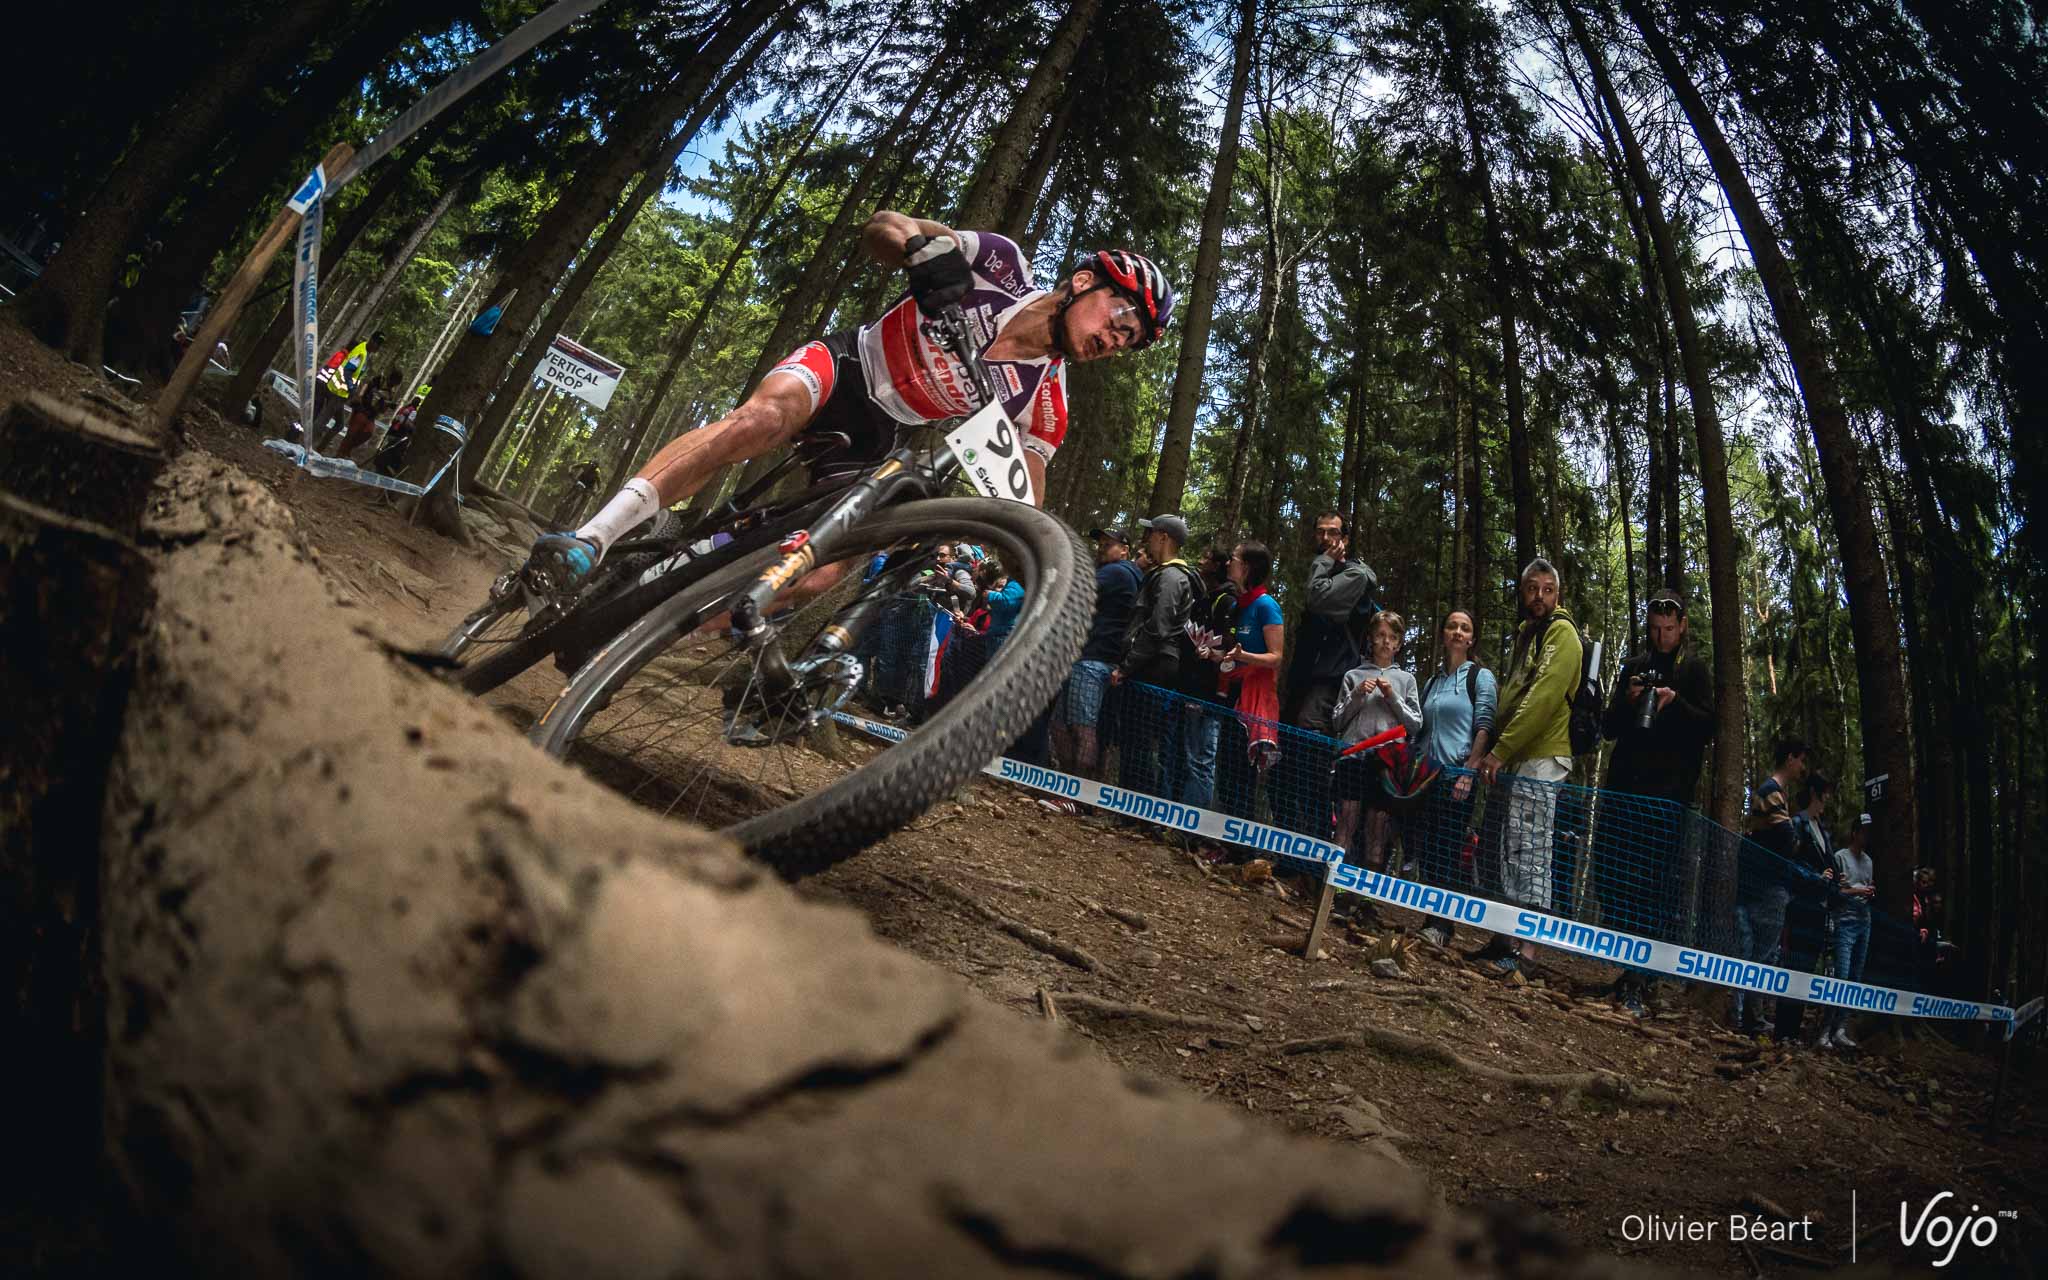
(1025, 200)
(66, 306)
(1169, 485)
(1653, 505)
(1477, 588)
(1724, 587)
(812, 303)
(1887, 743)
(1501, 281)
(1002, 170)
(256, 357)
(479, 359)
(363, 313)
(1674, 467)
(1623, 499)
(261, 168)
(652, 179)
(1262, 340)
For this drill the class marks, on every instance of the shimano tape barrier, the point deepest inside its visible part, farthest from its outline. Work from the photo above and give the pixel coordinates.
(1539, 927)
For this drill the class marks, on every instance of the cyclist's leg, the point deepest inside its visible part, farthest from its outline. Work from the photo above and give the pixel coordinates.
(784, 403)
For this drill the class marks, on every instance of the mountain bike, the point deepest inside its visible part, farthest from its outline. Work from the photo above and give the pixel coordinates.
(709, 682)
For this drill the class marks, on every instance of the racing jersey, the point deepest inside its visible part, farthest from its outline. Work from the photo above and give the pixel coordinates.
(913, 379)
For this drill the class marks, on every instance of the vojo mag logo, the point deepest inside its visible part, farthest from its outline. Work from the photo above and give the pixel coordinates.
(1944, 1234)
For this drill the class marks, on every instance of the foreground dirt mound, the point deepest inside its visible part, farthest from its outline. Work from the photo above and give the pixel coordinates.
(390, 991)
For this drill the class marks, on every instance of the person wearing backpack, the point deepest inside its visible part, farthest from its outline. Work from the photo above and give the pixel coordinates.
(1534, 747)
(1153, 649)
(1458, 704)
(1643, 883)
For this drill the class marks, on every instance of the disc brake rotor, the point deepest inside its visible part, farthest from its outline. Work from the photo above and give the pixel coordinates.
(755, 717)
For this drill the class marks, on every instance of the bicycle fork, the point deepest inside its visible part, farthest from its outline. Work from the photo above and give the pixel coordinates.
(802, 552)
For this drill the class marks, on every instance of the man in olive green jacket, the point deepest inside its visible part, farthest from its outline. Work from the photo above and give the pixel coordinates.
(1534, 745)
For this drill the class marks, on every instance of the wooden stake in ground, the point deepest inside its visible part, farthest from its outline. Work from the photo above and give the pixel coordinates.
(1323, 907)
(228, 308)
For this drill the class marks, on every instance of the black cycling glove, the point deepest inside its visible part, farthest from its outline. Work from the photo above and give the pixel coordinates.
(939, 274)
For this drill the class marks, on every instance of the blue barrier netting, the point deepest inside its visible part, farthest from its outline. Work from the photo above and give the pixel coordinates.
(1642, 882)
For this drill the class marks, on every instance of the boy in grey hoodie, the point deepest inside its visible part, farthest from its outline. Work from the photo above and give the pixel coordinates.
(1376, 696)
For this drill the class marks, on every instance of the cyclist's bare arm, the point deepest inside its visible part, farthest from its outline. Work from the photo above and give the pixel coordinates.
(888, 231)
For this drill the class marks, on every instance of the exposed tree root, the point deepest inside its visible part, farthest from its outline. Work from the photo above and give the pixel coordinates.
(1568, 1084)
(1029, 935)
(1073, 1001)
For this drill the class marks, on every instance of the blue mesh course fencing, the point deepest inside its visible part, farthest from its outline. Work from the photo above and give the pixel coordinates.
(1570, 856)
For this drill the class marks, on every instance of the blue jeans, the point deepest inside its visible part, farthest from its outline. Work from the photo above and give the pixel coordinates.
(1759, 924)
(1852, 946)
(1193, 733)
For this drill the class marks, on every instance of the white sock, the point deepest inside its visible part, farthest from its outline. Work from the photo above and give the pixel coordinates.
(632, 504)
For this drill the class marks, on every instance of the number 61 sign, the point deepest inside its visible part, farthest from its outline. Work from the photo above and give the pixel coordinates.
(992, 456)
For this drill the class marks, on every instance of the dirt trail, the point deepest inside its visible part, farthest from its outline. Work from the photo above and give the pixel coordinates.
(1192, 986)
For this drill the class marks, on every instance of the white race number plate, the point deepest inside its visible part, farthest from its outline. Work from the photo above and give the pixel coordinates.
(992, 456)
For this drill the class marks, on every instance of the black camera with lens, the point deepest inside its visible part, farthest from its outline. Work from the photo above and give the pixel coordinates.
(1646, 710)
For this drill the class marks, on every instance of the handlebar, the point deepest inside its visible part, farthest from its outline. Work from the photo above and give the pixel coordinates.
(949, 330)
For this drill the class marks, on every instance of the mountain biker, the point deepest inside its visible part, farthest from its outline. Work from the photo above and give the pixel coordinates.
(870, 382)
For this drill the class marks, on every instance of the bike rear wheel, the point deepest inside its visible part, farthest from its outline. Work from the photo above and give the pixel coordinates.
(678, 720)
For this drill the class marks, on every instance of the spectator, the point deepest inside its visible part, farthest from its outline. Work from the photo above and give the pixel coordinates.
(1643, 874)
(1760, 888)
(397, 443)
(1457, 726)
(1534, 745)
(1340, 591)
(1807, 948)
(1004, 598)
(1340, 600)
(1153, 648)
(1249, 670)
(372, 398)
(1854, 887)
(339, 382)
(1196, 723)
(1077, 732)
(1376, 695)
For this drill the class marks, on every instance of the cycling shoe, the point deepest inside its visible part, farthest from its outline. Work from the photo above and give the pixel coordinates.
(560, 563)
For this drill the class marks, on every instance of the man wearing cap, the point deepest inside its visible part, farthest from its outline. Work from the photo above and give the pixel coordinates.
(1153, 647)
(1643, 874)
(1855, 886)
(1077, 729)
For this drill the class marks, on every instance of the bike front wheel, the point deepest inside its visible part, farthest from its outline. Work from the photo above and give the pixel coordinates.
(678, 716)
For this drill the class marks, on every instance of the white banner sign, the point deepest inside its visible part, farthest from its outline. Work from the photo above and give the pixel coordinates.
(581, 372)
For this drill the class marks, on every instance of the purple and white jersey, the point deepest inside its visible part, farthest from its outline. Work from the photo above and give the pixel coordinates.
(913, 379)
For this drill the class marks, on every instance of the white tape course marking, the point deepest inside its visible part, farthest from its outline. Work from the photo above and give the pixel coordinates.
(1481, 913)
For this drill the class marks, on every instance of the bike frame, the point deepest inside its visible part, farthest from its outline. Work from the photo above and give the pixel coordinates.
(825, 540)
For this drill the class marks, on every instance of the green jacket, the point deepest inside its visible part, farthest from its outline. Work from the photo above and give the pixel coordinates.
(1535, 704)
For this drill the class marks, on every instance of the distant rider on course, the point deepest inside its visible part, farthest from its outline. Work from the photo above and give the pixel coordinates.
(869, 382)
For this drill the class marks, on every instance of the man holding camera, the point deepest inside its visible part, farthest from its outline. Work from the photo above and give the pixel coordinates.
(1660, 718)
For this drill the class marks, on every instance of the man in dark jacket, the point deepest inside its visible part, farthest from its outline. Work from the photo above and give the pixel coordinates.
(1340, 601)
(1077, 730)
(1660, 718)
(1340, 589)
(1153, 650)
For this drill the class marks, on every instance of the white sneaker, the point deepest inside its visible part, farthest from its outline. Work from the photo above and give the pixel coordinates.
(1435, 936)
(1842, 1041)
(1826, 1041)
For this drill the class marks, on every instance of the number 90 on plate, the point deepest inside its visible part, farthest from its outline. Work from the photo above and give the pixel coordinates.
(992, 456)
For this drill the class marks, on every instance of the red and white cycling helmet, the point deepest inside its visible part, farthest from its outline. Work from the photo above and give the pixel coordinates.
(1138, 279)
